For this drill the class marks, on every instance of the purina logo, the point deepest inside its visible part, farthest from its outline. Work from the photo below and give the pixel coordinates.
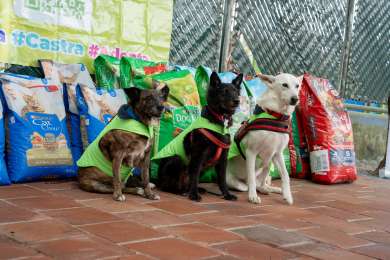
(3, 38)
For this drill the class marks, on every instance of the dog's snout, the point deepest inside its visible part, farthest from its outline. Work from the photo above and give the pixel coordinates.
(236, 102)
(160, 108)
(293, 101)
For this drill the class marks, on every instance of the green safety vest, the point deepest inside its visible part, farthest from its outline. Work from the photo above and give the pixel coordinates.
(93, 156)
(233, 151)
(176, 146)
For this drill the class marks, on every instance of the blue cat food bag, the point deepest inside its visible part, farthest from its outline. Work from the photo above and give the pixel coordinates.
(4, 179)
(97, 107)
(71, 76)
(38, 141)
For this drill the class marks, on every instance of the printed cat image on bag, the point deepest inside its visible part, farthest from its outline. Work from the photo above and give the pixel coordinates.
(38, 144)
(71, 76)
(97, 107)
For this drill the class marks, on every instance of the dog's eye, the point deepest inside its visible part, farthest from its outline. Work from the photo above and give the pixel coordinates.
(297, 86)
(285, 85)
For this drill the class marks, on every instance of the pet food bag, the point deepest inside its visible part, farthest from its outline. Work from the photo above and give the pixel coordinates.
(180, 67)
(328, 130)
(4, 179)
(301, 147)
(38, 145)
(182, 107)
(107, 70)
(71, 76)
(97, 107)
(133, 71)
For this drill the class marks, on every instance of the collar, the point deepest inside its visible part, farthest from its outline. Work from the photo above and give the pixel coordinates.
(126, 112)
(279, 116)
(218, 118)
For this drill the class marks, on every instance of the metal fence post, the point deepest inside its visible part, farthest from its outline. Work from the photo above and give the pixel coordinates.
(346, 52)
(226, 30)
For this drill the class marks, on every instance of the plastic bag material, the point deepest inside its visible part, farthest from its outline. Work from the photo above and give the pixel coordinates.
(180, 67)
(107, 71)
(133, 70)
(97, 107)
(25, 70)
(71, 76)
(38, 146)
(4, 179)
(328, 130)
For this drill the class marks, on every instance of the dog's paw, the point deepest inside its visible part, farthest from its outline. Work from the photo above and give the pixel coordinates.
(289, 200)
(254, 199)
(195, 197)
(230, 197)
(154, 196)
(264, 190)
(152, 185)
(119, 197)
(276, 190)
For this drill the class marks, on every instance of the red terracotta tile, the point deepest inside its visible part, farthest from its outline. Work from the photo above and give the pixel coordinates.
(326, 252)
(221, 220)
(38, 230)
(376, 236)
(336, 223)
(172, 249)
(270, 235)
(78, 248)
(78, 194)
(123, 231)
(11, 213)
(281, 222)
(134, 257)
(375, 251)
(251, 250)
(201, 233)
(18, 191)
(179, 207)
(338, 213)
(10, 249)
(45, 203)
(236, 209)
(334, 237)
(223, 257)
(111, 206)
(54, 185)
(81, 216)
(153, 218)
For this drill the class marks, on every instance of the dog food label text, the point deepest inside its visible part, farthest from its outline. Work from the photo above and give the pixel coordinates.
(184, 116)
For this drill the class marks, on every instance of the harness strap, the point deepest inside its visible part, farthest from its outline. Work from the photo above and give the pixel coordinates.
(220, 145)
(260, 124)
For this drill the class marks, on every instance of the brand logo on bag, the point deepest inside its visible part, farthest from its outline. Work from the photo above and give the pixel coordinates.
(43, 123)
(184, 116)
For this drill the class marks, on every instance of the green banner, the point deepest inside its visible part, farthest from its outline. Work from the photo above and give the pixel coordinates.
(74, 31)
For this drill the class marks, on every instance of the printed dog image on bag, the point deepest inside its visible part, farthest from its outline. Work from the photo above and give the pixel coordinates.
(37, 137)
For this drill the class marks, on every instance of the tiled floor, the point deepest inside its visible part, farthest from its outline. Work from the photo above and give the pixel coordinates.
(57, 220)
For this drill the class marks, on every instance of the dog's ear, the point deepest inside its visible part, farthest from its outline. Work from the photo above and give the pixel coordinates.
(238, 80)
(133, 94)
(214, 79)
(165, 92)
(267, 78)
(157, 84)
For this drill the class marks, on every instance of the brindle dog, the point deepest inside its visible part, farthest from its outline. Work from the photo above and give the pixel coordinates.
(174, 176)
(128, 148)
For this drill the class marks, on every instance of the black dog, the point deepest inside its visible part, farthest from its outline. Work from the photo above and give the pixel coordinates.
(201, 144)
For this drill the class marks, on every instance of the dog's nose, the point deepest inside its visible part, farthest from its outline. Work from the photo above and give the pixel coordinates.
(160, 108)
(236, 102)
(293, 101)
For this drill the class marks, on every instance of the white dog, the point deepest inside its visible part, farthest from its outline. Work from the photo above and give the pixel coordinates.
(261, 147)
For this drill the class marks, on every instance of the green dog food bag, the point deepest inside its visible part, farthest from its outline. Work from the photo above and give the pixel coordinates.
(107, 72)
(182, 107)
(133, 70)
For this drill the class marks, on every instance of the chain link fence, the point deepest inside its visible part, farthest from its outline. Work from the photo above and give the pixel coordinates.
(291, 36)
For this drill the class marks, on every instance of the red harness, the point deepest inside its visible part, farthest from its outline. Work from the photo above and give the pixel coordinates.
(280, 125)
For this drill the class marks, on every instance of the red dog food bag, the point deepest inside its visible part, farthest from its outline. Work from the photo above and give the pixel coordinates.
(328, 130)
